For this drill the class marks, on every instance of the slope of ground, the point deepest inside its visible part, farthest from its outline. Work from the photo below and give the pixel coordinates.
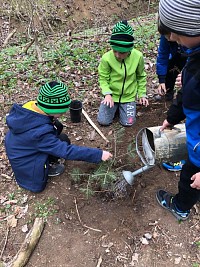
(103, 230)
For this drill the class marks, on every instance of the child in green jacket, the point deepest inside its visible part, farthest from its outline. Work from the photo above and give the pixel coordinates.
(122, 78)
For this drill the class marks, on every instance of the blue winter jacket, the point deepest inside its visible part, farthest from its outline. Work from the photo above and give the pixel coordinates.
(166, 51)
(30, 140)
(187, 105)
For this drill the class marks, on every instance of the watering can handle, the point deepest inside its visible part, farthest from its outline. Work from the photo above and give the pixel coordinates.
(172, 128)
(137, 149)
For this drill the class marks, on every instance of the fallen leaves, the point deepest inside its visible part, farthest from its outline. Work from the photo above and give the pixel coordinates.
(11, 211)
(11, 221)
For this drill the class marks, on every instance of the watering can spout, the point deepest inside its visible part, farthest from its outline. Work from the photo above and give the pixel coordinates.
(130, 176)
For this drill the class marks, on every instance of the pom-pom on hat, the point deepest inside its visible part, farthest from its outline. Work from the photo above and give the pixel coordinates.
(122, 37)
(53, 98)
(180, 16)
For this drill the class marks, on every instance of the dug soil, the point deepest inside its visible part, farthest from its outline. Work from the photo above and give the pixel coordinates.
(106, 230)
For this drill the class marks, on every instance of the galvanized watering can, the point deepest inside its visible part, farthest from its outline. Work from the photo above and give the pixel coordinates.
(152, 146)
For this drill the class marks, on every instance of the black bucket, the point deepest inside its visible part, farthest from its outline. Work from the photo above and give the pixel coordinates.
(75, 111)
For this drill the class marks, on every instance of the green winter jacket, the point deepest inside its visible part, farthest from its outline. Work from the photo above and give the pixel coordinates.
(125, 80)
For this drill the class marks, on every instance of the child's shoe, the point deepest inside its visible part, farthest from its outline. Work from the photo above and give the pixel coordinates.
(56, 169)
(165, 199)
(173, 166)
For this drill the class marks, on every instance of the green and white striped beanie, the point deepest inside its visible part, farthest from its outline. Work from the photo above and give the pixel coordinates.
(180, 16)
(122, 37)
(53, 98)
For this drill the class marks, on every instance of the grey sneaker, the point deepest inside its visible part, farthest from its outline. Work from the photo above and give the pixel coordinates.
(56, 169)
(165, 199)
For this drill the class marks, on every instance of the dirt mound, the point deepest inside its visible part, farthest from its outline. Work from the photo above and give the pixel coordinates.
(70, 14)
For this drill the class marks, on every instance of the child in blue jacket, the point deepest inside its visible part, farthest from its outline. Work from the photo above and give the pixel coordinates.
(169, 63)
(181, 20)
(34, 142)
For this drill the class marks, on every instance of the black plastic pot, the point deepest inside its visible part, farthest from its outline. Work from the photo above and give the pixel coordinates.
(75, 111)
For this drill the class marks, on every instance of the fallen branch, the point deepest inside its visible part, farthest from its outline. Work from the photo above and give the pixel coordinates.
(94, 126)
(97, 230)
(27, 247)
(9, 37)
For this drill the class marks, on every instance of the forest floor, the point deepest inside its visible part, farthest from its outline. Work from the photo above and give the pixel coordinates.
(102, 229)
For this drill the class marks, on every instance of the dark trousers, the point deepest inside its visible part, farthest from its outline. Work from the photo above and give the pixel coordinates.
(175, 67)
(187, 196)
(63, 137)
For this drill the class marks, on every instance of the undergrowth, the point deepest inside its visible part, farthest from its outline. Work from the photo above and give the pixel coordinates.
(75, 63)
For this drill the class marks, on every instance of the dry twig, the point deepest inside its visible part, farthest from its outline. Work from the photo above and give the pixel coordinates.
(27, 46)
(99, 262)
(97, 230)
(94, 126)
(5, 243)
(10, 35)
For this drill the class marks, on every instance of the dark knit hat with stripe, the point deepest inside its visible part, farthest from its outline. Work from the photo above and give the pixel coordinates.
(122, 37)
(180, 16)
(53, 98)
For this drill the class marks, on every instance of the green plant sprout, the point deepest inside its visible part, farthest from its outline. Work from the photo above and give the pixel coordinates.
(45, 209)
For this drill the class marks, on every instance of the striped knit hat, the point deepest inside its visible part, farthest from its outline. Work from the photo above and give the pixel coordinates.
(53, 98)
(180, 16)
(122, 37)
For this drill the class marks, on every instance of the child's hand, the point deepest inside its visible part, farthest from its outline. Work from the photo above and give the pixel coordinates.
(161, 89)
(165, 125)
(178, 81)
(108, 101)
(106, 155)
(196, 179)
(144, 101)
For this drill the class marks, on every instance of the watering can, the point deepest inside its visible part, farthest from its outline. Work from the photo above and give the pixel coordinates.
(152, 146)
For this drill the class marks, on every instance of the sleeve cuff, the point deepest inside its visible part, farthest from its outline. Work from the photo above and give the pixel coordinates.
(161, 79)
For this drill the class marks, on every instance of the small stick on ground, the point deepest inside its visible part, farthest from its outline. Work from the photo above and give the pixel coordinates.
(27, 46)
(99, 262)
(5, 243)
(115, 147)
(97, 230)
(10, 35)
(133, 196)
(94, 126)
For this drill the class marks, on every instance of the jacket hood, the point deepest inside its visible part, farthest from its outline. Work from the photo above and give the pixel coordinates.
(21, 119)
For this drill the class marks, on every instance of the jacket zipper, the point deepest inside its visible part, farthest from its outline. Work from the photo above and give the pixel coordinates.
(123, 80)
